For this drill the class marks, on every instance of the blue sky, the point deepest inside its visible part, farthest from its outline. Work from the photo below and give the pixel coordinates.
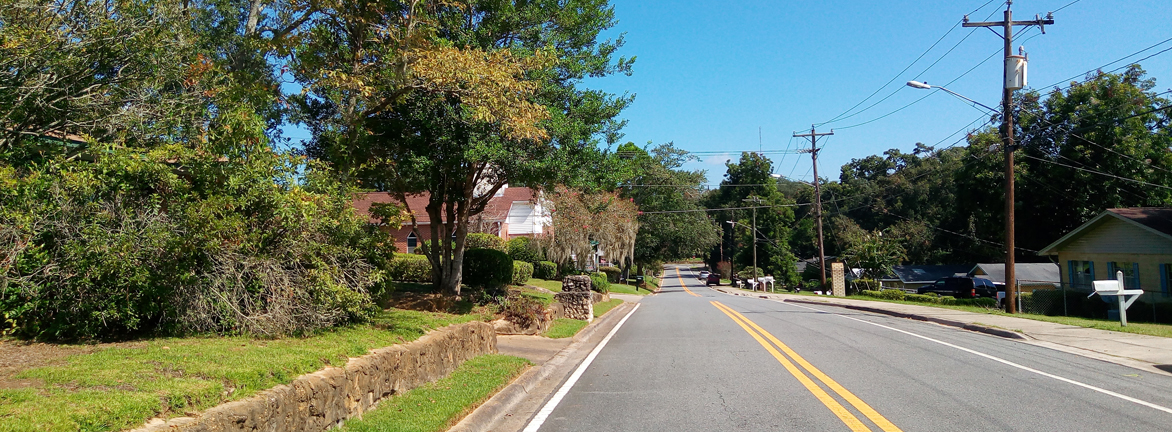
(710, 73)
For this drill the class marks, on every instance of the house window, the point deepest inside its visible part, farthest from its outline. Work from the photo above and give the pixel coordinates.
(1082, 273)
(412, 242)
(1130, 273)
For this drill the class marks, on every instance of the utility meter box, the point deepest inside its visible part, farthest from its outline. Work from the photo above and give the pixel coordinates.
(1015, 72)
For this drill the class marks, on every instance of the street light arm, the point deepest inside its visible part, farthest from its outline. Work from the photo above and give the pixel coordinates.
(967, 99)
(926, 86)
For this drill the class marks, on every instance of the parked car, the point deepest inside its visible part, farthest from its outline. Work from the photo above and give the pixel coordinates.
(961, 287)
(704, 275)
(712, 279)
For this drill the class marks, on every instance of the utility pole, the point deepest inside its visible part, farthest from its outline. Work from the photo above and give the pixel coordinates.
(1007, 136)
(813, 136)
(756, 200)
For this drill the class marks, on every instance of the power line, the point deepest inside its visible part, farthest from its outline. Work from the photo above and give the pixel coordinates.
(905, 69)
(1117, 61)
(1098, 172)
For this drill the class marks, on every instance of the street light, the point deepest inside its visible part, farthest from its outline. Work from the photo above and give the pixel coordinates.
(926, 86)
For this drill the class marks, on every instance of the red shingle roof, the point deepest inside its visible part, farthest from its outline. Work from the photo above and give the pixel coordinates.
(496, 210)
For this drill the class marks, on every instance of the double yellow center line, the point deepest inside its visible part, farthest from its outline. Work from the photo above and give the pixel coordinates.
(682, 284)
(833, 404)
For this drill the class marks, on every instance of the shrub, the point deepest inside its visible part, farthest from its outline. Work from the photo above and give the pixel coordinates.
(867, 284)
(409, 268)
(487, 270)
(946, 300)
(922, 298)
(545, 270)
(522, 310)
(869, 293)
(484, 241)
(747, 273)
(522, 271)
(425, 246)
(612, 273)
(524, 249)
(599, 283)
(724, 269)
(984, 302)
(892, 294)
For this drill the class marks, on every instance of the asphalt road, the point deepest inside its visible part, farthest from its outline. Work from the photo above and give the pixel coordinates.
(694, 359)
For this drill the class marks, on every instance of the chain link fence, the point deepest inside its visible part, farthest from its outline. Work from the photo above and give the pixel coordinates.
(1073, 301)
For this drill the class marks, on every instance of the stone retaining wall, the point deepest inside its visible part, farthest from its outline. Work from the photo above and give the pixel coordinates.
(323, 399)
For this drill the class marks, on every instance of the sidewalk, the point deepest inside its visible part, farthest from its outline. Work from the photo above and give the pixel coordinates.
(1150, 353)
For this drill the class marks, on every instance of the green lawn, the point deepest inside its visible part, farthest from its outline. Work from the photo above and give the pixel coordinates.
(627, 289)
(541, 296)
(601, 309)
(1162, 330)
(555, 286)
(120, 387)
(439, 405)
(564, 328)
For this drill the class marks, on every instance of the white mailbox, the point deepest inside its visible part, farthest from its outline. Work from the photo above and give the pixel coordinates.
(1125, 297)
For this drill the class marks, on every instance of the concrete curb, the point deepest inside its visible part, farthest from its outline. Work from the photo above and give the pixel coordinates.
(967, 326)
(487, 415)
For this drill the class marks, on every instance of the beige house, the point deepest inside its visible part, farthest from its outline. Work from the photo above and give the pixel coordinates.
(1136, 241)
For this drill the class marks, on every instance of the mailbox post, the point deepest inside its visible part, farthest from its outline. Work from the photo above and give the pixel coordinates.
(1124, 297)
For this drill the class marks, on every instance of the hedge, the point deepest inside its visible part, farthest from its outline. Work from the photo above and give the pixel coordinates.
(524, 249)
(612, 273)
(484, 241)
(522, 271)
(487, 270)
(599, 283)
(545, 270)
(409, 268)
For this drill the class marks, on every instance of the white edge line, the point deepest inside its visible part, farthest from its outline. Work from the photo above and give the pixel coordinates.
(546, 410)
(1006, 362)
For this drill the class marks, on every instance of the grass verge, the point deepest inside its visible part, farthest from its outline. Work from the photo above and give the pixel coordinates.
(1161, 330)
(555, 286)
(627, 289)
(439, 405)
(604, 307)
(564, 328)
(120, 387)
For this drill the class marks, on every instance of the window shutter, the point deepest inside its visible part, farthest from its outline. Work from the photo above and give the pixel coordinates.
(1092, 264)
(1070, 272)
(1164, 279)
(1135, 275)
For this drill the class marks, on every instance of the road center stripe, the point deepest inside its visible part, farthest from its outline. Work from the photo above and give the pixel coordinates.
(875, 417)
(682, 284)
(1006, 362)
(840, 411)
(546, 410)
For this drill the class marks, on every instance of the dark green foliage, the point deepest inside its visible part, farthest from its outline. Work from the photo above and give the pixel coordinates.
(487, 270)
(522, 271)
(612, 273)
(892, 294)
(127, 246)
(599, 283)
(409, 268)
(484, 241)
(524, 249)
(545, 270)
(867, 284)
(747, 273)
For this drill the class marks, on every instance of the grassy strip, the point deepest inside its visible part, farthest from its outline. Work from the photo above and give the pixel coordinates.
(555, 286)
(564, 328)
(439, 405)
(604, 307)
(541, 296)
(1161, 330)
(627, 289)
(120, 387)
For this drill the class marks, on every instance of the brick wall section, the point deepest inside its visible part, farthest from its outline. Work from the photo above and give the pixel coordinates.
(326, 398)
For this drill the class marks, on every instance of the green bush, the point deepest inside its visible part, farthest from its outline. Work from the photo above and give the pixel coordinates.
(522, 271)
(892, 294)
(545, 270)
(522, 310)
(612, 273)
(946, 300)
(487, 271)
(867, 284)
(409, 268)
(922, 298)
(525, 249)
(984, 302)
(425, 246)
(137, 244)
(747, 273)
(599, 283)
(869, 293)
(484, 241)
